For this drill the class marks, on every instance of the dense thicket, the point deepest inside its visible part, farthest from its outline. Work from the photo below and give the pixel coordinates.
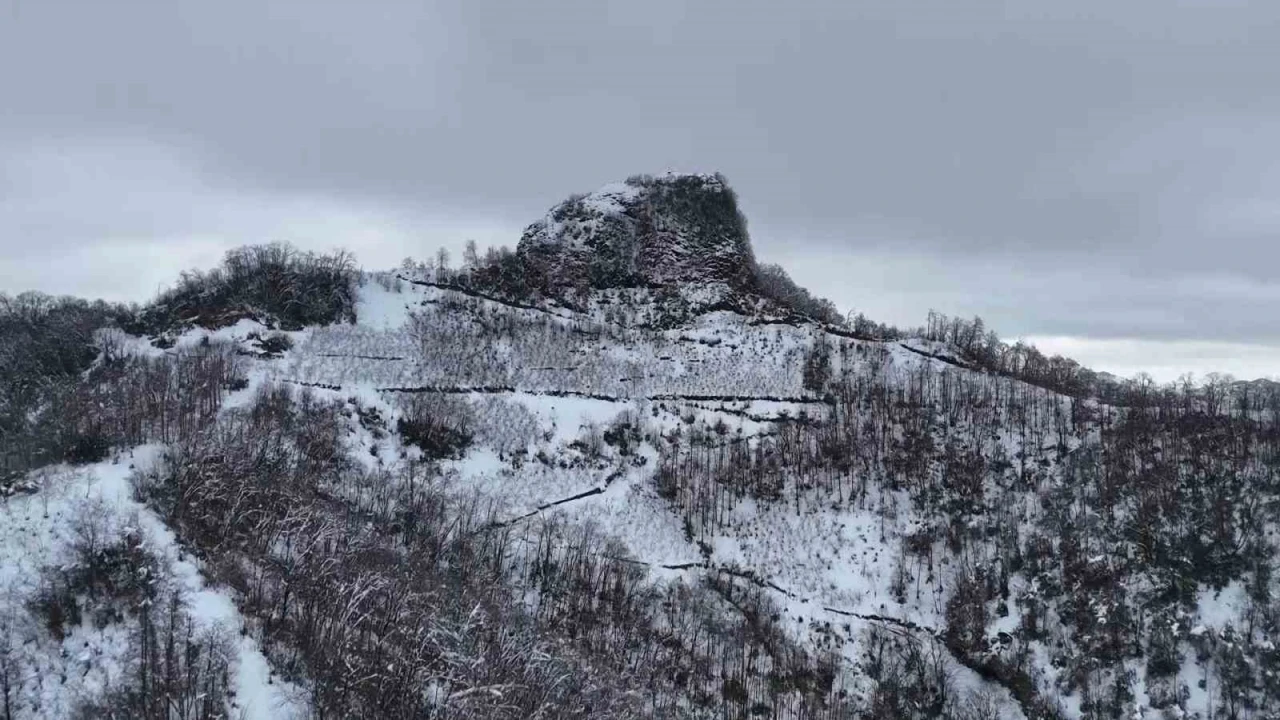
(981, 346)
(46, 343)
(774, 283)
(125, 400)
(275, 284)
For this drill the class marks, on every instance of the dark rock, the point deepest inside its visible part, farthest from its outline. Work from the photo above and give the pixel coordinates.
(658, 232)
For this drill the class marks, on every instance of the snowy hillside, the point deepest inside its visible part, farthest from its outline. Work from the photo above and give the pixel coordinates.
(82, 517)
(459, 497)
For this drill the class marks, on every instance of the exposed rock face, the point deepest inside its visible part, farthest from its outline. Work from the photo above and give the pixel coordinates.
(664, 231)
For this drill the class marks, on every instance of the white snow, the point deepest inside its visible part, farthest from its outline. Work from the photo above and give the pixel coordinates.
(1219, 608)
(386, 309)
(39, 533)
(534, 449)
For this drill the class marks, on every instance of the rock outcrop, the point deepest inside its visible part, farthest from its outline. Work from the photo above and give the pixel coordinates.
(656, 232)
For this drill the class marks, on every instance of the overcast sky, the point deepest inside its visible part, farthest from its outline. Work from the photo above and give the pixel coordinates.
(1101, 177)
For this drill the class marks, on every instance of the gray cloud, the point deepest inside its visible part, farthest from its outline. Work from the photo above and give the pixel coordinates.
(1093, 169)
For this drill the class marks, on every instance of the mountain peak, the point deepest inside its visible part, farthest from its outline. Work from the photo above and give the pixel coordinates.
(649, 231)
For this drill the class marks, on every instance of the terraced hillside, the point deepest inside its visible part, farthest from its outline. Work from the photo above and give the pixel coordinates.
(478, 499)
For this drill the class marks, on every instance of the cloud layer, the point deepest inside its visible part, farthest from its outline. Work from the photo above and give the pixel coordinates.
(1088, 169)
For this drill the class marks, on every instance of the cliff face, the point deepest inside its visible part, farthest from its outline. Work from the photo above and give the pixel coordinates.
(660, 231)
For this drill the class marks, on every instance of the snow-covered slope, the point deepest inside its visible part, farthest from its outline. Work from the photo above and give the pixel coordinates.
(839, 555)
(870, 501)
(44, 534)
(630, 492)
(829, 564)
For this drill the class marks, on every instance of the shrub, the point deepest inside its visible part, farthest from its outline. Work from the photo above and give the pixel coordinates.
(89, 446)
(275, 284)
(817, 367)
(46, 344)
(108, 578)
(440, 426)
(773, 282)
(273, 345)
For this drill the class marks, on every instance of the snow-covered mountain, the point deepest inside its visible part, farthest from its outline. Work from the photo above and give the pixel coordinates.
(488, 498)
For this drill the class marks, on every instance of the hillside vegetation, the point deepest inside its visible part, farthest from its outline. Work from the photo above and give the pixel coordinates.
(286, 489)
(276, 285)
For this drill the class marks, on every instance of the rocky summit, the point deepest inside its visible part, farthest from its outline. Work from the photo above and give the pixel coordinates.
(650, 231)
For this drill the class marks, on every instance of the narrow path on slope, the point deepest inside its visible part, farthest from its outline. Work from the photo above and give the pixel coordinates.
(939, 358)
(361, 357)
(462, 389)
(482, 296)
(511, 389)
(1026, 697)
(706, 565)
